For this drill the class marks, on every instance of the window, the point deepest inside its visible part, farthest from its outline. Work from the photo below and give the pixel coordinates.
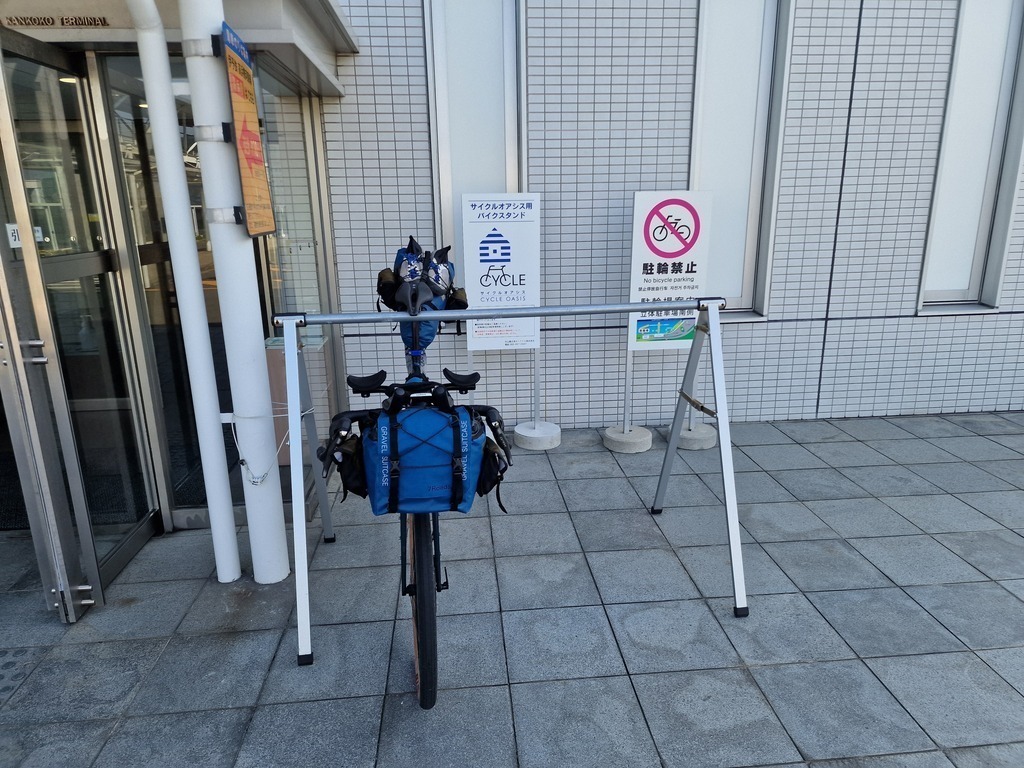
(735, 55)
(979, 159)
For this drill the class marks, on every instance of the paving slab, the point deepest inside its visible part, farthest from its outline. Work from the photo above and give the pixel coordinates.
(640, 575)
(854, 454)
(752, 487)
(545, 581)
(15, 666)
(214, 671)
(711, 570)
(781, 629)
(468, 726)
(139, 610)
(994, 756)
(986, 423)
(913, 451)
(353, 594)
(929, 426)
(757, 433)
(178, 555)
(960, 477)
(815, 484)
(712, 718)
(894, 480)
(53, 744)
(975, 448)
(1006, 507)
(940, 513)
(710, 459)
(27, 622)
(472, 588)
(997, 554)
(239, 606)
(181, 740)
(868, 428)
(348, 660)
(862, 517)
(933, 759)
(984, 710)
(1008, 663)
(670, 636)
(825, 564)
(839, 709)
(595, 721)
(339, 732)
(575, 466)
(812, 431)
(529, 468)
(915, 560)
(681, 491)
(650, 463)
(534, 535)
(696, 526)
(883, 622)
(535, 497)
(1010, 471)
(783, 521)
(618, 529)
(94, 682)
(360, 545)
(982, 615)
(560, 643)
(770, 457)
(470, 653)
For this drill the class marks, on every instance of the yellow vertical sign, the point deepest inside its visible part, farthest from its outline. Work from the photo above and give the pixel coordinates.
(252, 166)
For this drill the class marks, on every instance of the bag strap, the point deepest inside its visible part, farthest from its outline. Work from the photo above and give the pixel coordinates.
(457, 459)
(394, 469)
(497, 495)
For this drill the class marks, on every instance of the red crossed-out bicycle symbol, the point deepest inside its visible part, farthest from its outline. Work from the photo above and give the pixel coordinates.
(671, 228)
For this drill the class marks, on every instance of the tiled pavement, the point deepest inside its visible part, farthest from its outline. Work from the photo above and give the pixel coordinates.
(884, 560)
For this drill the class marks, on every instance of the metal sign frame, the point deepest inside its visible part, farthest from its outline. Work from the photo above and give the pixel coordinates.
(708, 327)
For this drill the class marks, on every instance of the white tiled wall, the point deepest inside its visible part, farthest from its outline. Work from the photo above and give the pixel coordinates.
(608, 109)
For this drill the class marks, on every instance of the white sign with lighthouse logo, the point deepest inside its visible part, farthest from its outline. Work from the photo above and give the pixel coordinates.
(501, 254)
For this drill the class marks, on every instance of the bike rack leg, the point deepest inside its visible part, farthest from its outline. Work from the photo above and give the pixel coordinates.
(292, 382)
(725, 449)
(312, 443)
(689, 376)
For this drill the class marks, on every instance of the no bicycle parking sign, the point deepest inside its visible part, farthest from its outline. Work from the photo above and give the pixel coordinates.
(669, 263)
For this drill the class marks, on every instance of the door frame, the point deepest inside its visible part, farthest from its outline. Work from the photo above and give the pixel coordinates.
(63, 533)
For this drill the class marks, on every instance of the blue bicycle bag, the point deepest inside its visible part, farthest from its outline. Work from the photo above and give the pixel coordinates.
(423, 459)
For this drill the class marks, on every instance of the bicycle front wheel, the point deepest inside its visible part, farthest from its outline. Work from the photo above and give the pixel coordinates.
(424, 608)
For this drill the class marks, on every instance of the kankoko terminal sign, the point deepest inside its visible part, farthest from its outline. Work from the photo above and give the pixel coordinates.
(501, 253)
(252, 167)
(669, 263)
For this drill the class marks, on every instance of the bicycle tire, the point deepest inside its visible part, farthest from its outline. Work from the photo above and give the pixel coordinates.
(424, 609)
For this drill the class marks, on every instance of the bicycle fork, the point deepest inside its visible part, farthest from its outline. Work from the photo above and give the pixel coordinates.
(435, 528)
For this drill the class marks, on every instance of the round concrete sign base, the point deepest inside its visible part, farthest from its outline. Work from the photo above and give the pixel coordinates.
(637, 440)
(537, 435)
(701, 437)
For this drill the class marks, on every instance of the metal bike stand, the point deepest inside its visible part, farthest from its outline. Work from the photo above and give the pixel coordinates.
(312, 444)
(707, 327)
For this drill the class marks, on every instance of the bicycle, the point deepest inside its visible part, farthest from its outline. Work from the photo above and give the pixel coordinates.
(420, 398)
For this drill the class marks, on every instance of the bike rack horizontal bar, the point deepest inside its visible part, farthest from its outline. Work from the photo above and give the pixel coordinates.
(451, 315)
(708, 326)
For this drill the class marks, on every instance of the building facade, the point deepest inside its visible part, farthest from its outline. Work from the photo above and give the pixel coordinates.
(863, 158)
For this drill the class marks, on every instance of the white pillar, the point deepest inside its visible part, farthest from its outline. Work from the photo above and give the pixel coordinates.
(188, 284)
(238, 292)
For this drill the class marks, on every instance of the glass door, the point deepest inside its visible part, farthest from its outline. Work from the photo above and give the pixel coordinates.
(70, 348)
